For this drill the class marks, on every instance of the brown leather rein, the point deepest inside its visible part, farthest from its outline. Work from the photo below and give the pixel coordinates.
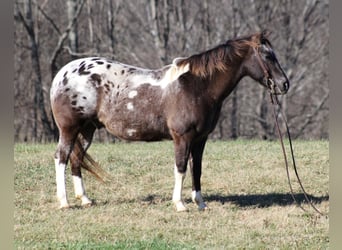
(275, 103)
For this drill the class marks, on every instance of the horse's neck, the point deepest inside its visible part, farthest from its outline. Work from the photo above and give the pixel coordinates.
(223, 83)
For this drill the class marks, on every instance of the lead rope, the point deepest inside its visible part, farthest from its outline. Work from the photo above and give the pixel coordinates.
(275, 101)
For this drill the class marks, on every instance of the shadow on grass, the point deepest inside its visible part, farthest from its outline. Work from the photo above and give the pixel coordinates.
(241, 200)
(264, 200)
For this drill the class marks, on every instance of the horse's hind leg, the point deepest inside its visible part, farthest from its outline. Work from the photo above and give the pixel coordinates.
(66, 140)
(81, 146)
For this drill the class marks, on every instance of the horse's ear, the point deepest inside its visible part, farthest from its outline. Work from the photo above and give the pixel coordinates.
(261, 37)
(265, 34)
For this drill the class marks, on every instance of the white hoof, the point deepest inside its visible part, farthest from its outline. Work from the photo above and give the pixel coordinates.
(63, 202)
(64, 206)
(197, 198)
(85, 202)
(180, 207)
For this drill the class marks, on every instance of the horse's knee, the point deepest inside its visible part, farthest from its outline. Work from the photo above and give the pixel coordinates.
(181, 166)
(181, 163)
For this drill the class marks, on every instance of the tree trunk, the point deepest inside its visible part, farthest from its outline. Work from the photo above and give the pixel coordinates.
(234, 116)
(111, 27)
(73, 38)
(39, 112)
(160, 21)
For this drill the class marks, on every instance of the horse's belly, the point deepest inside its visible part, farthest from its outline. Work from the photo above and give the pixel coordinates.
(138, 127)
(134, 132)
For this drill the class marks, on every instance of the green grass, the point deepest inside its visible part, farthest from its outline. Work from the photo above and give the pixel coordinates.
(243, 182)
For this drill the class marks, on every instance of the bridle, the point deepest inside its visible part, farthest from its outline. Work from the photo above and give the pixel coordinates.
(267, 77)
(275, 102)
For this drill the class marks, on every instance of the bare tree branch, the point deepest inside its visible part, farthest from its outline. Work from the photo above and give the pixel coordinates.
(63, 37)
(79, 54)
(310, 117)
(49, 19)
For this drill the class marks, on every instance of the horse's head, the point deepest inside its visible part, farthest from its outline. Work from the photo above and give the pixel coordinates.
(263, 66)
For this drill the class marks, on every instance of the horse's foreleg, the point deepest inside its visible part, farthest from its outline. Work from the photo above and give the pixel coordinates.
(181, 157)
(177, 191)
(196, 172)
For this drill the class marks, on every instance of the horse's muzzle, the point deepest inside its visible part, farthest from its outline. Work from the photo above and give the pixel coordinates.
(275, 89)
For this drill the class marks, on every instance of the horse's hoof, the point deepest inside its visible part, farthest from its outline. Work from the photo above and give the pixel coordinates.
(203, 208)
(64, 207)
(179, 206)
(85, 202)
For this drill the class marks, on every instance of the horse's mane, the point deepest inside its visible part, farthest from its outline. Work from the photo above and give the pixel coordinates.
(222, 56)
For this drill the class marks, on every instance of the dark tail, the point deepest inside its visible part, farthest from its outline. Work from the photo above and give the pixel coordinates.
(87, 162)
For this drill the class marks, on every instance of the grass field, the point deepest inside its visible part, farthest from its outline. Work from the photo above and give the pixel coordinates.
(243, 182)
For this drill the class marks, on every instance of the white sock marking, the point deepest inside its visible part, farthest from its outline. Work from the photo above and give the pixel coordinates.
(177, 191)
(60, 182)
(79, 190)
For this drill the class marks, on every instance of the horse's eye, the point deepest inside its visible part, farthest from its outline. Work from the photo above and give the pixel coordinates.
(270, 56)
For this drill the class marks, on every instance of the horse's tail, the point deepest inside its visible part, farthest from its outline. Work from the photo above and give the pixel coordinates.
(87, 162)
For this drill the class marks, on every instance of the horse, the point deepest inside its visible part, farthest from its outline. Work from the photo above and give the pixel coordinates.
(180, 102)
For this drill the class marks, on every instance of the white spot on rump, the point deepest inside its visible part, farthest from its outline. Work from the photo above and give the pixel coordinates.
(130, 106)
(132, 94)
(87, 95)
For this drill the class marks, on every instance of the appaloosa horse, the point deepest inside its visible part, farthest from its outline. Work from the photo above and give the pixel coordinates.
(181, 101)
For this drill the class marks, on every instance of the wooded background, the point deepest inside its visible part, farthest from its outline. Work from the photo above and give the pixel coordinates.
(50, 33)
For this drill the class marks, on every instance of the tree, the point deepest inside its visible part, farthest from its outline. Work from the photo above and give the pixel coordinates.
(40, 116)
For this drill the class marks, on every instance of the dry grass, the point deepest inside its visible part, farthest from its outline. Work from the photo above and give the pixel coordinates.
(244, 184)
